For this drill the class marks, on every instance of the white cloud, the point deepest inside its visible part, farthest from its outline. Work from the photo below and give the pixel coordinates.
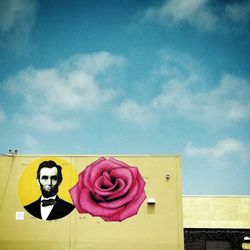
(94, 63)
(222, 148)
(238, 12)
(132, 111)
(51, 91)
(227, 102)
(17, 17)
(196, 12)
(176, 65)
(224, 153)
(47, 123)
(201, 14)
(186, 93)
(76, 85)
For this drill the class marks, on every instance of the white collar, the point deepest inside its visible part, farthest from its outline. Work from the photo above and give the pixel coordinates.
(52, 197)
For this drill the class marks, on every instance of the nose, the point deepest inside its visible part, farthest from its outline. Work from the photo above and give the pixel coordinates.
(49, 181)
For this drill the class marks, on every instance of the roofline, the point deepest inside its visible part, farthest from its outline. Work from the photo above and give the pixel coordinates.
(217, 196)
(90, 155)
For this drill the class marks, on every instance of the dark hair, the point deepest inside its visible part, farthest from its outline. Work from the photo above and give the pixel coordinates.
(50, 164)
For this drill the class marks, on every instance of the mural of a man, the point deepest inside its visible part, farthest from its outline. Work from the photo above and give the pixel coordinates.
(49, 206)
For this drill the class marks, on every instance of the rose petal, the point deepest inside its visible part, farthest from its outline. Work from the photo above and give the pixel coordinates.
(133, 206)
(124, 174)
(141, 183)
(87, 204)
(128, 181)
(87, 172)
(99, 197)
(97, 161)
(122, 201)
(102, 181)
(101, 191)
(86, 178)
(130, 210)
(132, 194)
(97, 170)
(110, 189)
(121, 183)
(120, 163)
(75, 193)
(107, 177)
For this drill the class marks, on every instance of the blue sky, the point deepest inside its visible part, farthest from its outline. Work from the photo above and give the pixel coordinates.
(131, 77)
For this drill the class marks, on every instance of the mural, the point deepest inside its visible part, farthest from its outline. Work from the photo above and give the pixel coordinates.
(110, 189)
(39, 188)
(107, 188)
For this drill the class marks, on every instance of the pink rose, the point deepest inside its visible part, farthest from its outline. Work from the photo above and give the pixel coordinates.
(110, 189)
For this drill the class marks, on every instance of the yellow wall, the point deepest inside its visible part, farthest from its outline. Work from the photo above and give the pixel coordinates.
(216, 212)
(156, 226)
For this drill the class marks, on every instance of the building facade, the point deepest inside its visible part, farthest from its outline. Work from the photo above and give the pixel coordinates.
(216, 222)
(121, 202)
(150, 214)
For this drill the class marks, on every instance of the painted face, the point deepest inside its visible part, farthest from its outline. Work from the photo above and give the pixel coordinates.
(48, 181)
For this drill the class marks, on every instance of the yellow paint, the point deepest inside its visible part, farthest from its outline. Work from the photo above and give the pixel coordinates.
(216, 212)
(156, 226)
(245, 245)
(29, 189)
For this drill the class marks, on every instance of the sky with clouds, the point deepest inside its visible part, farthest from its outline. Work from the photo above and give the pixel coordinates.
(131, 77)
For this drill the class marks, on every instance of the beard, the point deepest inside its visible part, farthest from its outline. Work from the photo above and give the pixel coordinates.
(49, 193)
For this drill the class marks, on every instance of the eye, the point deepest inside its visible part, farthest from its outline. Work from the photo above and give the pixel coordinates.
(54, 178)
(44, 177)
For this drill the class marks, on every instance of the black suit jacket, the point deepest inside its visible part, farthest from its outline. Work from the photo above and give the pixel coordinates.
(60, 209)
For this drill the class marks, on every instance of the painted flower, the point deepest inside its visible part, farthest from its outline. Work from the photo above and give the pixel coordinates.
(110, 189)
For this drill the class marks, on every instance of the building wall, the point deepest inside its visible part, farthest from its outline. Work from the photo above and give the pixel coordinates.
(216, 212)
(157, 226)
(216, 222)
(213, 239)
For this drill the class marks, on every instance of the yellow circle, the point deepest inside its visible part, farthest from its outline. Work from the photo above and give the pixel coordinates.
(29, 189)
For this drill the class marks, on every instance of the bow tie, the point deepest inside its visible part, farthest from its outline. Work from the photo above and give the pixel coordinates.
(48, 202)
